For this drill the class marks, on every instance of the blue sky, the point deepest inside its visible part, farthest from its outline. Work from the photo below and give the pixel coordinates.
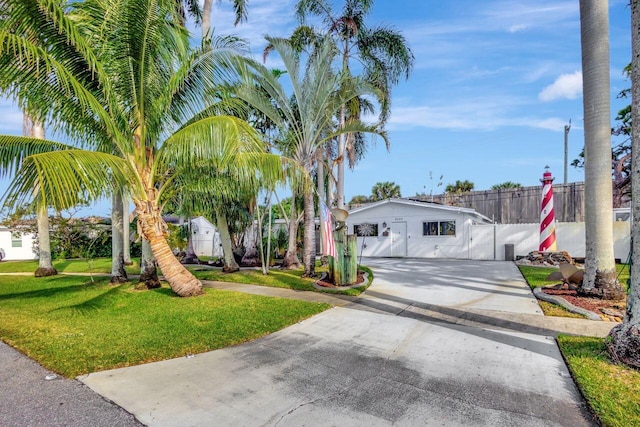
(494, 83)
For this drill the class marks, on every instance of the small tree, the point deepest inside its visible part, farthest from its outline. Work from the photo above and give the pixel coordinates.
(358, 200)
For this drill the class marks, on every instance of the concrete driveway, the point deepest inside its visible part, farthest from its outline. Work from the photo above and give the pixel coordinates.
(379, 361)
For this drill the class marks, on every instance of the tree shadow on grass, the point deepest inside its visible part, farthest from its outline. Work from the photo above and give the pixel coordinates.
(98, 302)
(48, 292)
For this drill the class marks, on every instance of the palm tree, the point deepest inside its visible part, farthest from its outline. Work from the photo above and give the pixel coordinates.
(506, 185)
(383, 53)
(600, 271)
(35, 129)
(624, 340)
(142, 97)
(384, 190)
(306, 115)
(118, 273)
(460, 187)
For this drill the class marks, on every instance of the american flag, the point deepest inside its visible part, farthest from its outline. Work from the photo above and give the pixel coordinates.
(328, 244)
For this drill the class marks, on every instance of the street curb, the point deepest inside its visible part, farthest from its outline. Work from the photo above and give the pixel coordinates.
(537, 292)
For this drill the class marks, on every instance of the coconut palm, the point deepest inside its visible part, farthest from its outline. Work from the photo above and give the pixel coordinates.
(600, 271)
(624, 340)
(138, 99)
(306, 115)
(383, 54)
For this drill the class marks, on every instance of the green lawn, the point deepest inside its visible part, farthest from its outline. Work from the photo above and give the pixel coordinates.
(536, 276)
(289, 279)
(72, 326)
(613, 391)
(98, 265)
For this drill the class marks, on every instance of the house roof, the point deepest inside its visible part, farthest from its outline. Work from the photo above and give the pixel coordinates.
(426, 205)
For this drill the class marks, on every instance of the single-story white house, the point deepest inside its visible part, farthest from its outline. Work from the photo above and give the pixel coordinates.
(407, 228)
(15, 245)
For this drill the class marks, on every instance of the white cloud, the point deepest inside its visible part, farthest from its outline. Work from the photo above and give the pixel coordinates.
(552, 123)
(567, 86)
(518, 27)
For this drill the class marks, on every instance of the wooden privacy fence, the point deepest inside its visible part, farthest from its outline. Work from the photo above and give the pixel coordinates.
(520, 205)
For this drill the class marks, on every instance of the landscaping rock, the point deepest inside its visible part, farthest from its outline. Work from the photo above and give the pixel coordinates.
(546, 258)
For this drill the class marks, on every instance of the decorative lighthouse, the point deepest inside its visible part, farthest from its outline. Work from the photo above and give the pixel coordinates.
(547, 216)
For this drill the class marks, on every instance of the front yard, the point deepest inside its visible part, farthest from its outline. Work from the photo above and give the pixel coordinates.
(73, 326)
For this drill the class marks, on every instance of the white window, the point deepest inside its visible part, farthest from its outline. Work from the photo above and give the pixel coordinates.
(16, 242)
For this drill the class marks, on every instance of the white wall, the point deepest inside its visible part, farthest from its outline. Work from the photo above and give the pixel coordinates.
(20, 253)
(525, 237)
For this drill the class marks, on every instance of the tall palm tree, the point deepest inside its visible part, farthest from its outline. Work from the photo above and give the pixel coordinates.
(600, 271)
(35, 129)
(142, 97)
(383, 53)
(624, 339)
(316, 92)
(118, 273)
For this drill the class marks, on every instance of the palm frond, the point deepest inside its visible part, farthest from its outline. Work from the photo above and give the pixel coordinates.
(15, 149)
(62, 179)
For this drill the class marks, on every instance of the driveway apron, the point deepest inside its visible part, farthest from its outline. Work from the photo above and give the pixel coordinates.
(382, 360)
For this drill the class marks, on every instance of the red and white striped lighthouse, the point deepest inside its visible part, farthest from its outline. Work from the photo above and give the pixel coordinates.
(547, 216)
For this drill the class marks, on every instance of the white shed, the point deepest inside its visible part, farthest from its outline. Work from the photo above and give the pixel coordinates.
(205, 237)
(407, 228)
(15, 245)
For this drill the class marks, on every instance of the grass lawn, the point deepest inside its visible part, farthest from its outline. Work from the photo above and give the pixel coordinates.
(613, 391)
(289, 279)
(535, 277)
(98, 265)
(72, 326)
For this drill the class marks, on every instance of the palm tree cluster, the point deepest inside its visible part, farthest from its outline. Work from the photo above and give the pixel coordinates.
(146, 116)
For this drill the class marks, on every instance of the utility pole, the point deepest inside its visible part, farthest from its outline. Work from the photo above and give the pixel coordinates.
(566, 150)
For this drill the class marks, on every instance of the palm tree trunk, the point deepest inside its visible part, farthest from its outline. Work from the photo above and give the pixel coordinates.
(341, 155)
(45, 263)
(321, 193)
(230, 264)
(624, 340)
(126, 236)
(291, 261)
(309, 251)
(118, 273)
(148, 268)
(182, 282)
(600, 272)
(206, 17)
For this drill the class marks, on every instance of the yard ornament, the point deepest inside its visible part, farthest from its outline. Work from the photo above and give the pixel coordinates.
(547, 215)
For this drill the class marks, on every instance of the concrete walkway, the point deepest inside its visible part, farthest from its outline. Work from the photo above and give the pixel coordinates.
(432, 342)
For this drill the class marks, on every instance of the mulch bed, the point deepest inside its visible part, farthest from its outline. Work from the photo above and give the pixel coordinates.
(327, 284)
(612, 311)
